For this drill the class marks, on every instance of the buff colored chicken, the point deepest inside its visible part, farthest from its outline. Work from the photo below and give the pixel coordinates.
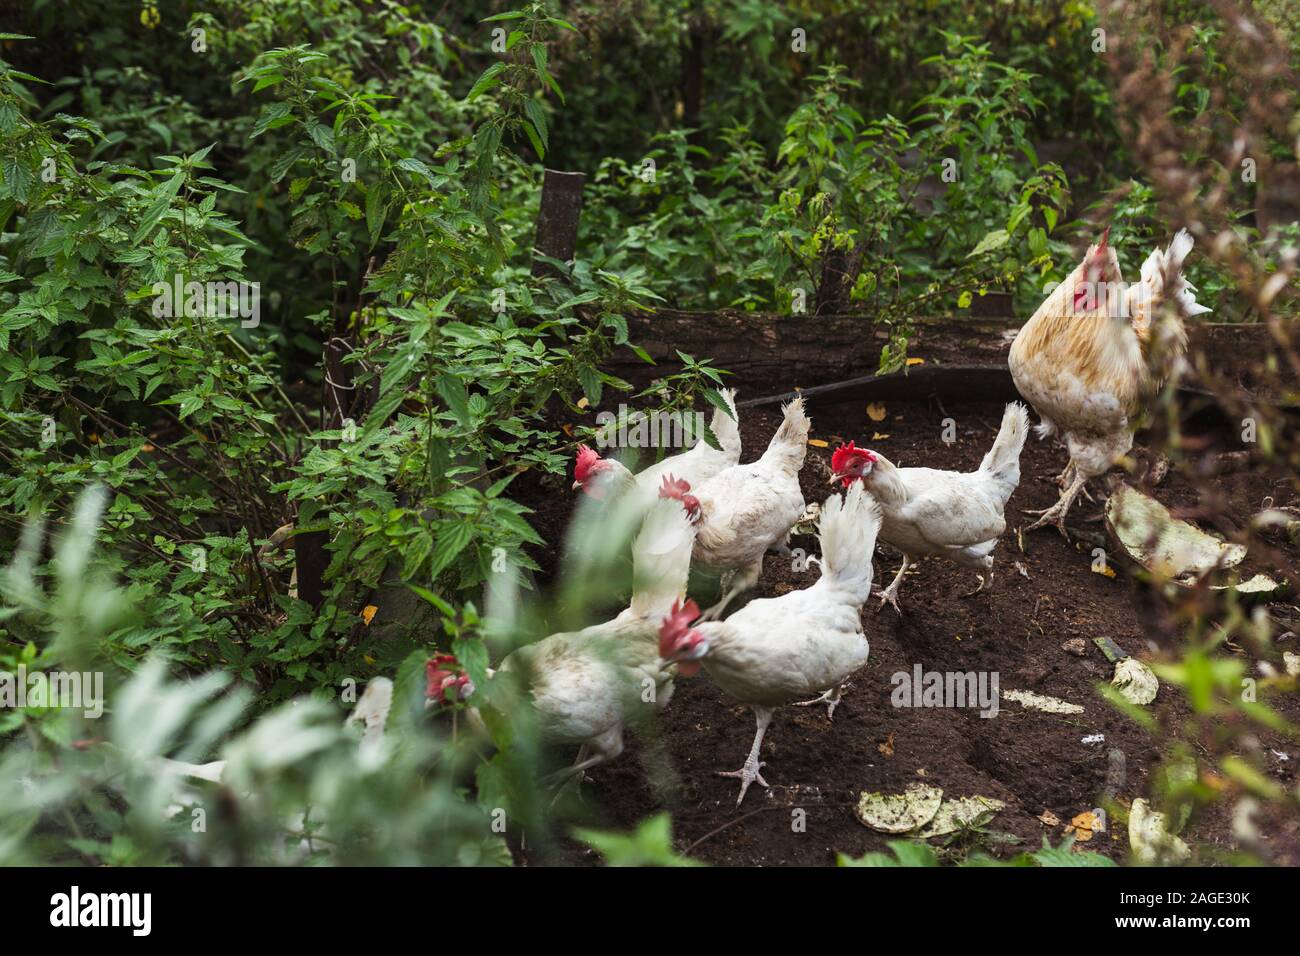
(774, 651)
(1095, 352)
(956, 515)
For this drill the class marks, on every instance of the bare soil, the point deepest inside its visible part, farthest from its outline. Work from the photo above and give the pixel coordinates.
(1035, 762)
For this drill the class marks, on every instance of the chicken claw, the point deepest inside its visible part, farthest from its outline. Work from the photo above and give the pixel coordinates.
(1055, 515)
(830, 698)
(983, 584)
(747, 774)
(890, 594)
(751, 771)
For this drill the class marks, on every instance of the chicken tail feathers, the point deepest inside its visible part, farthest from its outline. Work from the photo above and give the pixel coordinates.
(661, 559)
(1162, 279)
(847, 535)
(1003, 459)
(790, 443)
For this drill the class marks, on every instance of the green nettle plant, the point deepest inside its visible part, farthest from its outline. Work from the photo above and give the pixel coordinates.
(211, 470)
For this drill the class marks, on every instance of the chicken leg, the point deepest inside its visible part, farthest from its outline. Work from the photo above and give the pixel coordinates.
(751, 770)
(605, 747)
(734, 583)
(1056, 514)
(890, 594)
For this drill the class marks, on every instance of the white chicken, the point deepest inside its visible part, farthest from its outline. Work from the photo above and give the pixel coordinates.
(956, 515)
(1086, 360)
(608, 479)
(585, 685)
(747, 509)
(774, 651)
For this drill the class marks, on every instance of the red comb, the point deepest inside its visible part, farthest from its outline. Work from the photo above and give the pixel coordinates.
(586, 458)
(440, 679)
(674, 487)
(675, 624)
(841, 456)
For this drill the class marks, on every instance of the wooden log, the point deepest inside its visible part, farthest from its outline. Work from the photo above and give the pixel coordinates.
(805, 351)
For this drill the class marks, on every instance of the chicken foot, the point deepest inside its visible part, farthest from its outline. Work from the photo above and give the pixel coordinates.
(734, 583)
(751, 770)
(606, 747)
(890, 594)
(984, 583)
(1055, 515)
(831, 698)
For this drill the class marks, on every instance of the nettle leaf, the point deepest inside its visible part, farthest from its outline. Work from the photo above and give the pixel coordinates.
(486, 81)
(413, 165)
(451, 539)
(714, 398)
(538, 117)
(453, 392)
(158, 208)
(592, 385)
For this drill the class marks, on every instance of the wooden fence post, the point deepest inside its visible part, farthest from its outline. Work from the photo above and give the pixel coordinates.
(557, 219)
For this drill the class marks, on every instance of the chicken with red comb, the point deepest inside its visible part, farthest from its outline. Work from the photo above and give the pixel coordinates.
(586, 686)
(1089, 360)
(747, 509)
(607, 479)
(773, 651)
(958, 516)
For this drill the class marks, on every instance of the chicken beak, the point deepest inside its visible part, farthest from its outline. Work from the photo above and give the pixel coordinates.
(577, 486)
(835, 479)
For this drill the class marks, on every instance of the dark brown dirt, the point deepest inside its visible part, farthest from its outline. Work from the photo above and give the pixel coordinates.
(1033, 761)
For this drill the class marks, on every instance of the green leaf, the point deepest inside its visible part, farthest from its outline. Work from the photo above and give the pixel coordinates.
(714, 398)
(485, 82)
(453, 392)
(994, 240)
(451, 541)
(592, 386)
(534, 139)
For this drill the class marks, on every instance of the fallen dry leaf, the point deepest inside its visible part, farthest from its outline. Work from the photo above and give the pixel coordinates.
(818, 443)
(1085, 825)
(876, 411)
(887, 748)
(368, 613)
(582, 402)
(916, 361)
(877, 436)
(1048, 818)
(1105, 569)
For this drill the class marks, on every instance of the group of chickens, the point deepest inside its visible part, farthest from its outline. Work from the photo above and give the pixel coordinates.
(1086, 361)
